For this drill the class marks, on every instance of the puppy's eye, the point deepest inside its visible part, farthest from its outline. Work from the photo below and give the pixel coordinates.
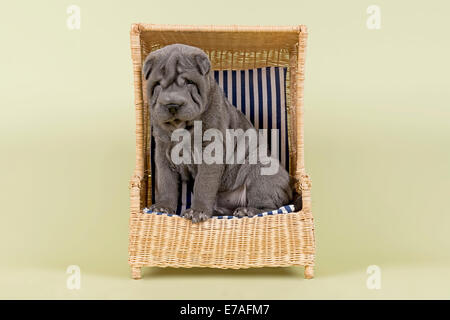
(189, 81)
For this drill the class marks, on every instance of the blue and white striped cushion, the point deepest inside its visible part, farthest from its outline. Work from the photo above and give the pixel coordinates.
(282, 210)
(260, 94)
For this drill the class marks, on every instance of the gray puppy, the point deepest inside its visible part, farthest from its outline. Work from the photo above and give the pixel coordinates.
(181, 89)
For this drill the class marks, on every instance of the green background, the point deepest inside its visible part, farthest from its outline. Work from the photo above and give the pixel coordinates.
(377, 149)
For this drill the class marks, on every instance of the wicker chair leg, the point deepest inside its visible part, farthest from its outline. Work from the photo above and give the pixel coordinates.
(136, 272)
(309, 272)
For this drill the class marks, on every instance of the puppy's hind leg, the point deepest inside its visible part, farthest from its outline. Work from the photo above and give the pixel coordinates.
(265, 194)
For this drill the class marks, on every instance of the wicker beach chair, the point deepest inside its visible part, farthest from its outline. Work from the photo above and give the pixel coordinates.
(261, 70)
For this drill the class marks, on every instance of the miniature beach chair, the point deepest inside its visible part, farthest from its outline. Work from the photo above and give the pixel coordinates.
(261, 70)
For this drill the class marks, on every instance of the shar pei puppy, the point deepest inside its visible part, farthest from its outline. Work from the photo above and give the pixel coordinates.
(183, 95)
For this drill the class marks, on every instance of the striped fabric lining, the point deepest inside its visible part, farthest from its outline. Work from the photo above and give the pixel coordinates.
(260, 94)
(282, 210)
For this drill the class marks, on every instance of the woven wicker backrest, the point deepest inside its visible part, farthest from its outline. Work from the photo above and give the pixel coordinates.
(228, 47)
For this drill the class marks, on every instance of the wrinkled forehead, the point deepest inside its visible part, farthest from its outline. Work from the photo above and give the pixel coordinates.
(168, 62)
(170, 65)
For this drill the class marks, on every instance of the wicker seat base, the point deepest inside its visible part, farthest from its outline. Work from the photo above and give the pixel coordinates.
(270, 241)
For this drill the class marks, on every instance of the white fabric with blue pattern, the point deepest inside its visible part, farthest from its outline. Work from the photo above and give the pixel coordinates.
(285, 209)
(260, 94)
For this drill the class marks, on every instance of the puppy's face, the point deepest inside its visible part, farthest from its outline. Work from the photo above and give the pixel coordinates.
(177, 85)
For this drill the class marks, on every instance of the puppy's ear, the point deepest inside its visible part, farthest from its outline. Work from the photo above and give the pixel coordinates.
(203, 64)
(147, 67)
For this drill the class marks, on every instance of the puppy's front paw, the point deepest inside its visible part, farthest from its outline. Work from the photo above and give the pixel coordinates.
(161, 208)
(196, 215)
(245, 212)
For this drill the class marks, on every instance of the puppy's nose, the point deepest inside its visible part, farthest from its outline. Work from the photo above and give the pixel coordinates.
(173, 107)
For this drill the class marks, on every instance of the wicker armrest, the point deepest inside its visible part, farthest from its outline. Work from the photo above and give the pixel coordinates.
(302, 183)
(135, 194)
(305, 182)
(135, 181)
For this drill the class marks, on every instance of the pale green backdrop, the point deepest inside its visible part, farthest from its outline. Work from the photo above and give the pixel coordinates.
(377, 148)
